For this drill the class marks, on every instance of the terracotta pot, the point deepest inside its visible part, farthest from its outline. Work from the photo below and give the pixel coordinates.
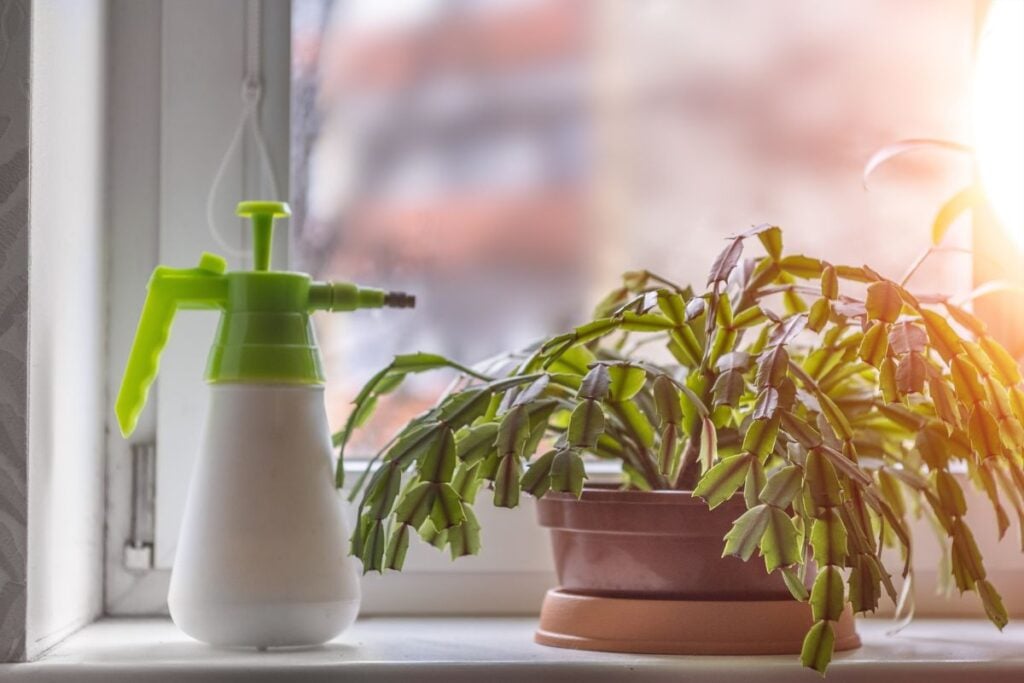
(643, 572)
(663, 545)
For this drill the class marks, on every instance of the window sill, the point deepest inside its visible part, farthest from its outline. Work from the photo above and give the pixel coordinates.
(474, 649)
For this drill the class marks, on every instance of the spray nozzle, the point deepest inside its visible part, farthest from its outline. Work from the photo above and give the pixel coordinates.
(262, 215)
(264, 333)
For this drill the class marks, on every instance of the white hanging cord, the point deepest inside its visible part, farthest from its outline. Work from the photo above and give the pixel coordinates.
(252, 94)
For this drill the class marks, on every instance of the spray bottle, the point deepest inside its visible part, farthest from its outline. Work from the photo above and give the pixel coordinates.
(262, 557)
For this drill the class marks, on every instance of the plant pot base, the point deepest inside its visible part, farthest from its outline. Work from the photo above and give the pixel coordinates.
(681, 627)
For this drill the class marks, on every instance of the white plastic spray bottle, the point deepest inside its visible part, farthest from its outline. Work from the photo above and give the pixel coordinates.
(262, 558)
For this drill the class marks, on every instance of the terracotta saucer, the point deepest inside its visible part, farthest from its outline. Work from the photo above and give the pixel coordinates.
(681, 627)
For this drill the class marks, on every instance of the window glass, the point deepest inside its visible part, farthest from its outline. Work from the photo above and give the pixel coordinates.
(505, 160)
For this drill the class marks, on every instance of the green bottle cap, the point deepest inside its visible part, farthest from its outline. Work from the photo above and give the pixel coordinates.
(265, 334)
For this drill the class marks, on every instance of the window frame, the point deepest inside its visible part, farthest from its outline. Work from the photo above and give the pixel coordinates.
(157, 215)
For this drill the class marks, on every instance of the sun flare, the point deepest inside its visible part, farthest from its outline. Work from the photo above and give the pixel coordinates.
(999, 114)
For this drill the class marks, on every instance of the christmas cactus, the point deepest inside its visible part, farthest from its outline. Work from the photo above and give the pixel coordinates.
(835, 401)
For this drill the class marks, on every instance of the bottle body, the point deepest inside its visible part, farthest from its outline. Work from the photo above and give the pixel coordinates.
(262, 558)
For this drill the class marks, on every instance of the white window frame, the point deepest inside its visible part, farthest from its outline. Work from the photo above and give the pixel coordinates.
(174, 100)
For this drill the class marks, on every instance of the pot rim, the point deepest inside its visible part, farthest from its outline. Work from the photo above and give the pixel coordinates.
(610, 494)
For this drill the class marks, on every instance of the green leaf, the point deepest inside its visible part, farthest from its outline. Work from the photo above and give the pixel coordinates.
(745, 534)
(829, 283)
(950, 494)
(835, 417)
(462, 408)
(760, 437)
(413, 442)
(779, 542)
(857, 274)
(720, 482)
(944, 401)
(467, 481)
(708, 443)
(748, 317)
(910, 373)
(583, 334)
(802, 266)
(382, 492)
(942, 337)
(931, 444)
(884, 302)
(438, 461)
(586, 424)
(373, 548)
(887, 381)
(874, 345)
(864, 583)
(685, 347)
(595, 384)
(422, 362)
(795, 585)
(792, 302)
(1006, 366)
(828, 539)
(771, 238)
(464, 539)
(540, 416)
(723, 311)
(626, 381)
(819, 643)
(966, 320)
(567, 473)
(574, 361)
(753, 484)
(953, 208)
(645, 322)
(513, 432)
(472, 444)
(537, 479)
(965, 381)
(966, 559)
(397, 548)
(818, 315)
(782, 486)
(447, 510)
(984, 433)
(978, 358)
(506, 483)
(672, 306)
(669, 449)
(723, 342)
(821, 480)
(533, 391)
(666, 400)
(415, 504)
(798, 428)
(828, 594)
(993, 604)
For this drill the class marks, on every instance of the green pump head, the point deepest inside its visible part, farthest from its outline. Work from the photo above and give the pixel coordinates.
(264, 336)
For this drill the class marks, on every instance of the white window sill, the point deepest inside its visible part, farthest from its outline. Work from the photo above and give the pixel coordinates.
(501, 649)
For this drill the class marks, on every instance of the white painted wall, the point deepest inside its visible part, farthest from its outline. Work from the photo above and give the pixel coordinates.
(66, 319)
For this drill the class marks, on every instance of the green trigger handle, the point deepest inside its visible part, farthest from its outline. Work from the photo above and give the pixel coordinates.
(169, 289)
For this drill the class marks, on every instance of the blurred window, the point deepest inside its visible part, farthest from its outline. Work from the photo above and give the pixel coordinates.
(505, 160)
